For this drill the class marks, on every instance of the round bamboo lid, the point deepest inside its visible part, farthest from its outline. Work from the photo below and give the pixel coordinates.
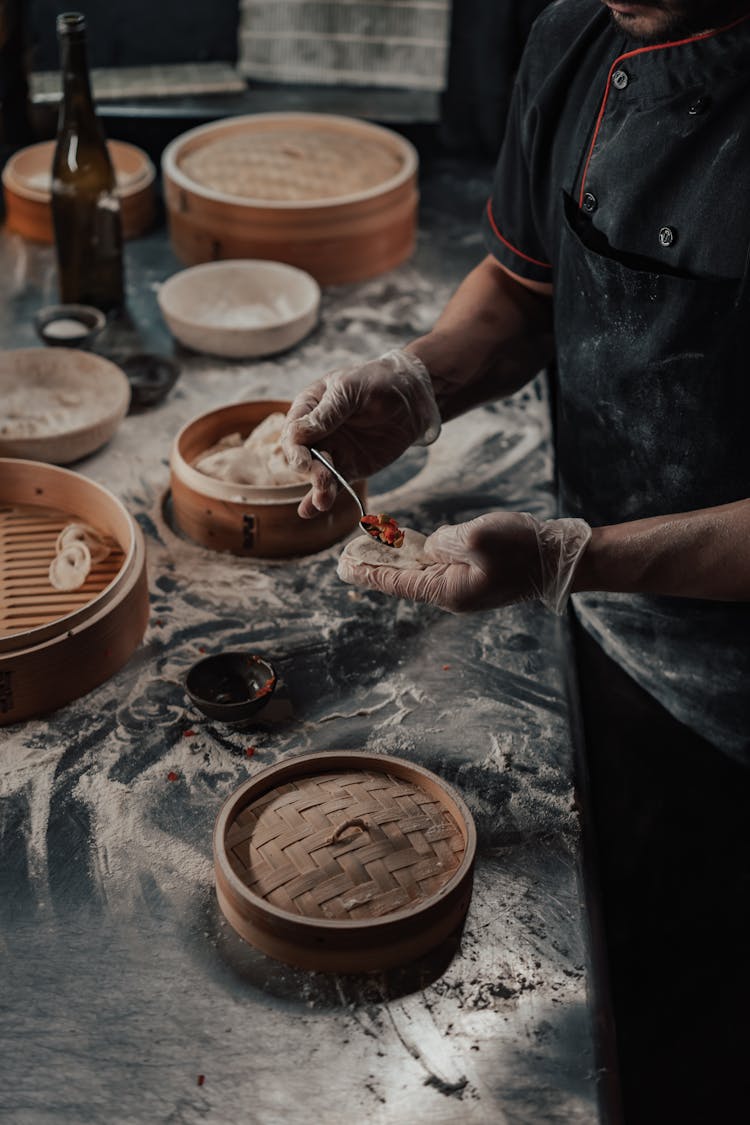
(344, 861)
(288, 163)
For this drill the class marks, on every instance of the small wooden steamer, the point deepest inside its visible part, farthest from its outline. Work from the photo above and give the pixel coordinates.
(240, 518)
(26, 186)
(344, 861)
(338, 238)
(57, 645)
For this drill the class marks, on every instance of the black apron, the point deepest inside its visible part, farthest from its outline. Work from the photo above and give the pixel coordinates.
(653, 407)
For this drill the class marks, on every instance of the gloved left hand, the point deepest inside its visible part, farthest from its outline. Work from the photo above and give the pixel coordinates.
(495, 560)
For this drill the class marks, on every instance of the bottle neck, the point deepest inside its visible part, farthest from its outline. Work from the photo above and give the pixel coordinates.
(76, 89)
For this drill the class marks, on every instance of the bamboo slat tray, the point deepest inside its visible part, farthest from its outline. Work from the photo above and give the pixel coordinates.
(57, 645)
(240, 518)
(335, 196)
(344, 861)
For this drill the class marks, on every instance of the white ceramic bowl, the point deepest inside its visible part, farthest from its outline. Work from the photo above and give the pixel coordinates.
(58, 404)
(240, 308)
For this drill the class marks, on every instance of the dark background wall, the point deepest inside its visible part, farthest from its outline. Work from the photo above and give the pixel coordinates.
(139, 32)
(487, 39)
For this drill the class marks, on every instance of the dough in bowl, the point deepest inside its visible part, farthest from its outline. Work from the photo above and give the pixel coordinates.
(365, 549)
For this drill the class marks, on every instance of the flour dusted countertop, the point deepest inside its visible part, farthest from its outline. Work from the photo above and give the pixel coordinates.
(126, 997)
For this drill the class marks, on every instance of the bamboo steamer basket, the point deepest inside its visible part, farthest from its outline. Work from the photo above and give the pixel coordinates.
(27, 182)
(338, 239)
(245, 519)
(344, 861)
(57, 645)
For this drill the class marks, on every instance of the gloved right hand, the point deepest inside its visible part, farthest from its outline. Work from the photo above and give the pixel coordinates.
(363, 418)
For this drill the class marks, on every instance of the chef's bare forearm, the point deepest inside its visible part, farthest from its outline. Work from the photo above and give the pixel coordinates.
(701, 554)
(493, 336)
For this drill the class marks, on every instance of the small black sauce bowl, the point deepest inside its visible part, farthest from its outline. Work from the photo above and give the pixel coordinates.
(231, 686)
(151, 377)
(91, 320)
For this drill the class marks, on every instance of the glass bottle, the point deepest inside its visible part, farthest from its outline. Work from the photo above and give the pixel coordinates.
(85, 204)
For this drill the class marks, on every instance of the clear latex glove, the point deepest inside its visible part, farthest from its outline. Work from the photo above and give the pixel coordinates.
(494, 560)
(363, 418)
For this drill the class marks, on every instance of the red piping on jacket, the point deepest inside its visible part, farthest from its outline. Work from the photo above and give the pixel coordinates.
(493, 224)
(630, 55)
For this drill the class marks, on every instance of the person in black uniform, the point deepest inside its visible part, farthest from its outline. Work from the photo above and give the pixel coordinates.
(618, 238)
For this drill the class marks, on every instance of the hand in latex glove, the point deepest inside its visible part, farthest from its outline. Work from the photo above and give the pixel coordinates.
(495, 560)
(363, 418)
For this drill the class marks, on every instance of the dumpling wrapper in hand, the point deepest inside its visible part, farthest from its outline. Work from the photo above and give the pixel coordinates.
(365, 549)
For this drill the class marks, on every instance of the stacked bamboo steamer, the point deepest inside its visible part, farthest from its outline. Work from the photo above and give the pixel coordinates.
(56, 645)
(334, 196)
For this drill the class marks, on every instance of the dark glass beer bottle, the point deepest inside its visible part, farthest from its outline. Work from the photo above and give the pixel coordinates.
(85, 204)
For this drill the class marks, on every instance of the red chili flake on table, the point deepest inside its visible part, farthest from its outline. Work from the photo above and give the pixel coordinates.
(201, 1079)
(384, 528)
(159, 622)
(188, 733)
(201, 648)
(250, 750)
(446, 667)
(172, 776)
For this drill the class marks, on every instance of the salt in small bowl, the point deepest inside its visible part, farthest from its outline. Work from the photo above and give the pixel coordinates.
(69, 326)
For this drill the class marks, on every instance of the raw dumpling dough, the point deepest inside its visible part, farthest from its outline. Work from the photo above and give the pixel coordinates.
(83, 533)
(365, 549)
(70, 567)
(258, 460)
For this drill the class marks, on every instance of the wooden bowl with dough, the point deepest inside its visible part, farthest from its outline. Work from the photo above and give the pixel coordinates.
(59, 404)
(259, 522)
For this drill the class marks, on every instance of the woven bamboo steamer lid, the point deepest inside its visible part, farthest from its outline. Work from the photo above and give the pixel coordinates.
(26, 186)
(341, 236)
(57, 645)
(245, 519)
(344, 861)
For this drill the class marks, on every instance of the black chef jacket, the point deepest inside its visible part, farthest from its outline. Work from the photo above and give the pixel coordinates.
(624, 181)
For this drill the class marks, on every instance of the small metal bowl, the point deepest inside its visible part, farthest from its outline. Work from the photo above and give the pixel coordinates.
(231, 686)
(69, 326)
(151, 377)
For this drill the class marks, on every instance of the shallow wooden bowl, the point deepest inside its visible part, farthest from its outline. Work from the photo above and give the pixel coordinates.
(344, 861)
(341, 238)
(240, 309)
(57, 645)
(75, 401)
(26, 186)
(240, 518)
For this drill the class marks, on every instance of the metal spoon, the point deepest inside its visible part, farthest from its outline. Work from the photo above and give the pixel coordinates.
(345, 484)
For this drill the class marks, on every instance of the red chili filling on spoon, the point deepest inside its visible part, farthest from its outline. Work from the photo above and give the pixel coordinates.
(383, 528)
